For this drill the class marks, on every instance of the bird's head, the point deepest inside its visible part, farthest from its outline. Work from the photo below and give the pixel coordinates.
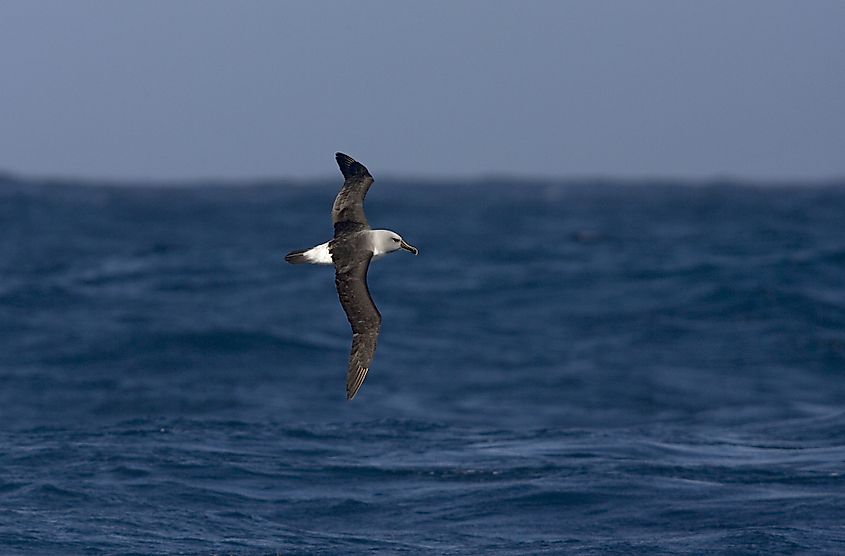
(387, 242)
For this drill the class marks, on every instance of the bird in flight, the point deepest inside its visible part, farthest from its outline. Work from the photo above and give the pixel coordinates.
(351, 249)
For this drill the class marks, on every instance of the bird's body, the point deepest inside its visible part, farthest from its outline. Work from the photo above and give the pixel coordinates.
(351, 249)
(375, 240)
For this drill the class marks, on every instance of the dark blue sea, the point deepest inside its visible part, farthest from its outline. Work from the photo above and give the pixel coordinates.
(566, 368)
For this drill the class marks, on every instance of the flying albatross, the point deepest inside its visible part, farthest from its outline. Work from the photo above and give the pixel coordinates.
(351, 249)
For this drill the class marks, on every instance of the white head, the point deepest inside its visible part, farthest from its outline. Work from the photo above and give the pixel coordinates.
(385, 241)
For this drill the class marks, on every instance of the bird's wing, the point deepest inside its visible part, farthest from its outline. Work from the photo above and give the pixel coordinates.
(351, 280)
(348, 209)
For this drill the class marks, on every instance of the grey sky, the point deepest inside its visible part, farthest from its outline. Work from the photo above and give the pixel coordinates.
(244, 89)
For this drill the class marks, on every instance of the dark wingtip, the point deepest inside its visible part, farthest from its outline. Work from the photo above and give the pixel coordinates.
(354, 382)
(350, 167)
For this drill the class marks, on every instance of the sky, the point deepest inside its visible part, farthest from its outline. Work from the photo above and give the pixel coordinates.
(223, 89)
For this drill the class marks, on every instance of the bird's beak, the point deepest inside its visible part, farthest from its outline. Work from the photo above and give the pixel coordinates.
(408, 248)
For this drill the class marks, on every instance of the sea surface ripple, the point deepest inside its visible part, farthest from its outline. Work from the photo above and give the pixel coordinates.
(566, 368)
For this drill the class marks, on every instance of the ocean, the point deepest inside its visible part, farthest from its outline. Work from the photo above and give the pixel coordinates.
(579, 367)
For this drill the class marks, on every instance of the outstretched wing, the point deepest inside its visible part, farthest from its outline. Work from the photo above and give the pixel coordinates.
(348, 209)
(363, 316)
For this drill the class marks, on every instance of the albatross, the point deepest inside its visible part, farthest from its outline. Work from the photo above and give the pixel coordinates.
(351, 249)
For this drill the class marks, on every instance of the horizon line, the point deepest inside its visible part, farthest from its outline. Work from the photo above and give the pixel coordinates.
(434, 179)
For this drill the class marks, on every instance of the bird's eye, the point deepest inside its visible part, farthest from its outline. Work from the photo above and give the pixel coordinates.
(396, 239)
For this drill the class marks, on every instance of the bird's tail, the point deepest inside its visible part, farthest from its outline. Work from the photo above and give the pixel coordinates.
(297, 257)
(316, 255)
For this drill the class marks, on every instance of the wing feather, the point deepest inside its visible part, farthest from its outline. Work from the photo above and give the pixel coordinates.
(348, 209)
(351, 280)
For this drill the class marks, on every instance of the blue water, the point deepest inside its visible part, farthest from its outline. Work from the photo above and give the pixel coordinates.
(579, 368)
